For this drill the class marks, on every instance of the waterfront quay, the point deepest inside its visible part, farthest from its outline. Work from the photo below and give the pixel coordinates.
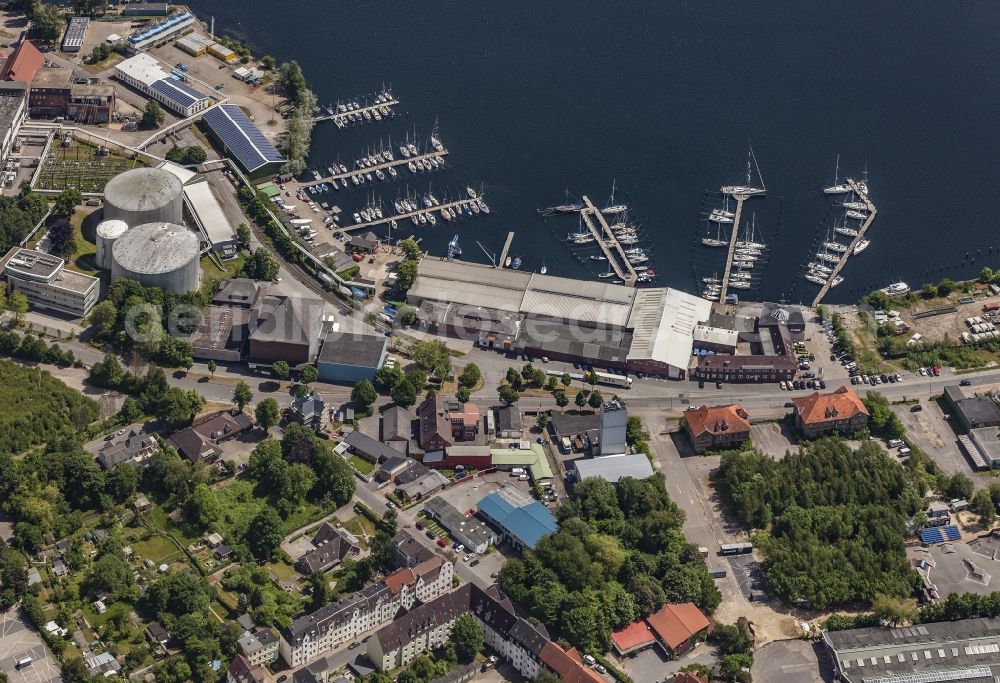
(458, 206)
(376, 112)
(733, 239)
(606, 239)
(394, 163)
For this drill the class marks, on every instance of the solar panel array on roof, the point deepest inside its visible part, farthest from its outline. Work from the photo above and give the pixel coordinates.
(183, 95)
(241, 136)
(940, 534)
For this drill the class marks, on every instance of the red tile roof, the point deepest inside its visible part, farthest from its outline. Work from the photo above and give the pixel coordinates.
(689, 677)
(400, 578)
(675, 624)
(568, 665)
(842, 404)
(23, 63)
(635, 634)
(717, 420)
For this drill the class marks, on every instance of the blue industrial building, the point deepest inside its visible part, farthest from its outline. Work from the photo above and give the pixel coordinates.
(350, 356)
(234, 130)
(517, 516)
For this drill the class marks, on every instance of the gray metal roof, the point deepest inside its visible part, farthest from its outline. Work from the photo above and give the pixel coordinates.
(614, 467)
(155, 248)
(143, 189)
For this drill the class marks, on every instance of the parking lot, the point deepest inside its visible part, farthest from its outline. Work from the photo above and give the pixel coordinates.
(773, 438)
(792, 661)
(936, 437)
(959, 567)
(652, 665)
(19, 640)
(749, 576)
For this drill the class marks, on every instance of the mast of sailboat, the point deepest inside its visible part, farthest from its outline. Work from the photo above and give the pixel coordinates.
(492, 257)
(611, 201)
(836, 171)
(763, 186)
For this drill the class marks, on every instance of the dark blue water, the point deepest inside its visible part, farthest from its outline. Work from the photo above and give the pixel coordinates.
(533, 99)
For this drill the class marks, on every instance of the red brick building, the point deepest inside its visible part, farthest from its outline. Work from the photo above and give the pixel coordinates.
(717, 427)
(679, 627)
(839, 412)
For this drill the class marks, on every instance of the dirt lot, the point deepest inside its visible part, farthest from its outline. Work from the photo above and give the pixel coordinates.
(773, 438)
(950, 325)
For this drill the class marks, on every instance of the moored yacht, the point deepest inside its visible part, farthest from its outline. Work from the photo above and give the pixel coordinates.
(896, 289)
(862, 245)
(860, 215)
(835, 246)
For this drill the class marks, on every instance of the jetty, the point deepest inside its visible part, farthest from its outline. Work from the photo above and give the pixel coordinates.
(734, 238)
(369, 112)
(506, 249)
(854, 243)
(395, 163)
(608, 242)
(458, 205)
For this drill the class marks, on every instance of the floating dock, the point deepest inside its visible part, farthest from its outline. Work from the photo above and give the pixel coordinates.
(854, 243)
(395, 163)
(458, 204)
(343, 118)
(734, 238)
(506, 249)
(608, 242)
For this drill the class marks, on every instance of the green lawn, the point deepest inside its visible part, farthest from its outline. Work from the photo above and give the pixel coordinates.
(361, 465)
(82, 259)
(281, 569)
(157, 549)
(232, 267)
(240, 504)
(157, 518)
(361, 527)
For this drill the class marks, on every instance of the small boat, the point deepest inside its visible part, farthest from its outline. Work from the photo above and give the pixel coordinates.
(422, 218)
(379, 174)
(404, 151)
(614, 209)
(750, 245)
(862, 245)
(483, 205)
(516, 263)
(837, 187)
(605, 276)
(544, 269)
(393, 223)
(413, 218)
(471, 192)
(711, 281)
(431, 219)
(857, 206)
(718, 217)
(507, 262)
(357, 217)
(739, 284)
(860, 215)
(368, 176)
(392, 171)
(836, 281)
(819, 267)
(475, 207)
(712, 242)
(368, 115)
(567, 208)
(412, 166)
(829, 258)
(638, 259)
(815, 279)
(434, 200)
(598, 257)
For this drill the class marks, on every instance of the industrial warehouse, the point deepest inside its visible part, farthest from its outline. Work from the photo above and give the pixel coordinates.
(639, 330)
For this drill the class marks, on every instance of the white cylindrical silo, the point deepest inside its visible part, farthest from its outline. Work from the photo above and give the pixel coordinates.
(107, 232)
(144, 195)
(163, 255)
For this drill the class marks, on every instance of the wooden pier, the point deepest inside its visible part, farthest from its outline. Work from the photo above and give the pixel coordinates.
(456, 204)
(854, 243)
(740, 198)
(395, 163)
(608, 242)
(343, 118)
(506, 249)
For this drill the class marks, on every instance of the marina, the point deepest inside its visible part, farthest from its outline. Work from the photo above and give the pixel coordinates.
(609, 242)
(740, 258)
(344, 114)
(420, 215)
(368, 168)
(833, 278)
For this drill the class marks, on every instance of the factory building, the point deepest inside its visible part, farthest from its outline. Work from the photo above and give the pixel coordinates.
(242, 140)
(75, 33)
(159, 33)
(13, 111)
(48, 284)
(160, 254)
(143, 72)
(144, 195)
(56, 92)
(640, 330)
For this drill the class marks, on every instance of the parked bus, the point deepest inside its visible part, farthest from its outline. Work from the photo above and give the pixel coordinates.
(736, 548)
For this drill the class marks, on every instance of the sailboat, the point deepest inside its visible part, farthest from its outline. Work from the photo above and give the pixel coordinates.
(862, 245)
(837, 188)
(716, 241)
(613, 208)
(746, 190)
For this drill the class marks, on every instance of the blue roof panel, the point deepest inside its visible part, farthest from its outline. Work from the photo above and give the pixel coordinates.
(529, 523)
(175, 91)
(251, 147)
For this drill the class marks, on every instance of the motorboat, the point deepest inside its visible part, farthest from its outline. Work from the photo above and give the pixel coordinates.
(412, 166)
(711, 281)
(422, 217)
(392, 171)
(379, 174)
(638, 259)
(598, 257)
(862, 245)
(836, 281)
(896, 289)
(750, 245)
(431, 219)
(740, 284)
(605, 276)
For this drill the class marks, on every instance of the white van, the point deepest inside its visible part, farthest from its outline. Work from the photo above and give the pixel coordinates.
(895, 443)
(23, 663)
(517, 471)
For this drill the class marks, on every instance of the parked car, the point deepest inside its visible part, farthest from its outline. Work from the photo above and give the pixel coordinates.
(430, 534)
(965, 383)
(474, 563)
(916, 408)
(789, 404)
(442, 543)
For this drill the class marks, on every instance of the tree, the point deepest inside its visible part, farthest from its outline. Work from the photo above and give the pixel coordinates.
(121, 482)
(467, 636)
(581, 399)
(334, 477)
(243, 235)
(386, 377)
(508, 395)
(242, 395)
(73, 669)
(982, 504)
(66, 203)
(406, 275)
(566, 380)
(152, 115)
(268, 62)
(299, 481)
(309, 374)
(895, 611)
(319, 590)
(203, 508)
(48, 23)
(431, 356)
(212, 367)
(546, 676)
(364, 394)
(281, 370)
(61, 239)
(17, 303)
(261, 265)
(264, 534)
(411, 250)
(103, 318)
(268, 467)
(543, 420)
(463, 395)
(958, 486)
(470, 376)
(267, 413)
(731, 666)
(986, 274)
(562, 400)
(595, 400)
(404, 393)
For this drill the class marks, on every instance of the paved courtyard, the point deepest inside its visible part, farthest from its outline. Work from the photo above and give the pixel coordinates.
(791, 661)
(772, 438)
(19, 640)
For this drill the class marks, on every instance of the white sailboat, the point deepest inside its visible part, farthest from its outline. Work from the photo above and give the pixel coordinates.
(746, 190)
(859, 215)
(862, 245)
(716, 241)
(837, 187)
(613, 208)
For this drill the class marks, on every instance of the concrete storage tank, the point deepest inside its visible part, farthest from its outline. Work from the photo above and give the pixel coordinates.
(144, 195)
(163, 255)
(107, 232)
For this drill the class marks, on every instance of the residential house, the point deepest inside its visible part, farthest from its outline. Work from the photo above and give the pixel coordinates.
(103, 665)
(442, 424)
(679, 627)
(200, 442)
(331, 546)
(141, 503)
(418, 482)
(241, 670)
(839, 412)
(259, 645)
(370, 449)
(567, 665)
(362, 244)
(157, 633)
(408, 551)
(715, 427)
(397, 428)
(309, 410)
(312, 635)
(136, 447)
(690, 677)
